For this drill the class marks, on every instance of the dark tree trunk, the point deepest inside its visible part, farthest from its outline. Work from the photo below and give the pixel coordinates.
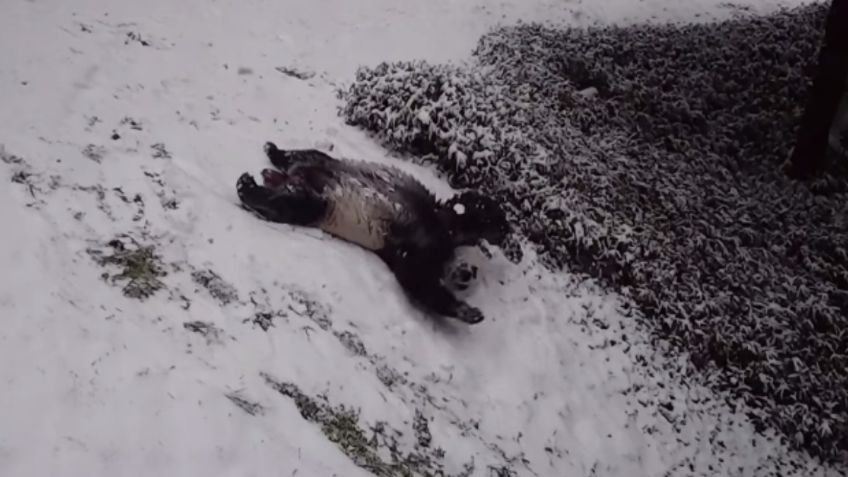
(828, 86)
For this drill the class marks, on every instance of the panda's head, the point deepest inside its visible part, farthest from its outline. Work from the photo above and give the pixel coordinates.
(474, 217)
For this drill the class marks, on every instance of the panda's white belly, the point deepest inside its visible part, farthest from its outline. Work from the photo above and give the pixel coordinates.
(359, 215)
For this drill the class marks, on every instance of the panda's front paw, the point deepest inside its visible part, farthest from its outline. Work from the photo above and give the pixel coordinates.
(468, 314)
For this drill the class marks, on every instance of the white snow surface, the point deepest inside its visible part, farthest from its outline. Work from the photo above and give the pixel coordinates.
(96, 383)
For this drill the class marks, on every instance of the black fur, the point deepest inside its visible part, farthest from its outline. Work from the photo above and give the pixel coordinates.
(419, 240)
(284, 205)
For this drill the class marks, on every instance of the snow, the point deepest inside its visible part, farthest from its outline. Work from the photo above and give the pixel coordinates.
(97, 383)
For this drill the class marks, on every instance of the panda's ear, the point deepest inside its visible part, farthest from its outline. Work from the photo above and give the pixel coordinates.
(463, 198)
(447, 216)
(445, 211)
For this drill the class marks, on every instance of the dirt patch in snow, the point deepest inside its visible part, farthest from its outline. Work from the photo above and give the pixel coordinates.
(138, 266)
(376, 448)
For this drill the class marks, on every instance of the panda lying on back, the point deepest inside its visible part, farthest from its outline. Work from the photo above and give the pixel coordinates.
(381, 209)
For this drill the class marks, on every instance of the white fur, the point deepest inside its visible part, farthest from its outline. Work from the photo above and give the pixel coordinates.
(358, 214)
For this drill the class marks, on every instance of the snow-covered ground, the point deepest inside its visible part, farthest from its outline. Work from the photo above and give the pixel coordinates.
(132, 120)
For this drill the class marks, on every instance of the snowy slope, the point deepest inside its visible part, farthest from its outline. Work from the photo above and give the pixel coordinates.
(131, 120)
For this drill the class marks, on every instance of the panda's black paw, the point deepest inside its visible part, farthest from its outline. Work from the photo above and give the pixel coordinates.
(245, 183)
(462, 276)
(468, 314)
(270, 148)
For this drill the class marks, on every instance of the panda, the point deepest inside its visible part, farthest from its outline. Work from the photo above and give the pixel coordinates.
(384, 210)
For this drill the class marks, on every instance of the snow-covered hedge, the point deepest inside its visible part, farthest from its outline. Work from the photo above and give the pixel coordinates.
(649, 156)
(474, 126)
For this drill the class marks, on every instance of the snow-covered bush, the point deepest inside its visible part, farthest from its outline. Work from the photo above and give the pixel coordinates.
(473, 125)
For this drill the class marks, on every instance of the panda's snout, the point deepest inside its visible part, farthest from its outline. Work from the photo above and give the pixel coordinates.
(467, 274)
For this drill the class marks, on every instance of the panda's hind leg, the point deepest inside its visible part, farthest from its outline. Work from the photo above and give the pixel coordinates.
(282, 159)
(277, 157)
(288, 204)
